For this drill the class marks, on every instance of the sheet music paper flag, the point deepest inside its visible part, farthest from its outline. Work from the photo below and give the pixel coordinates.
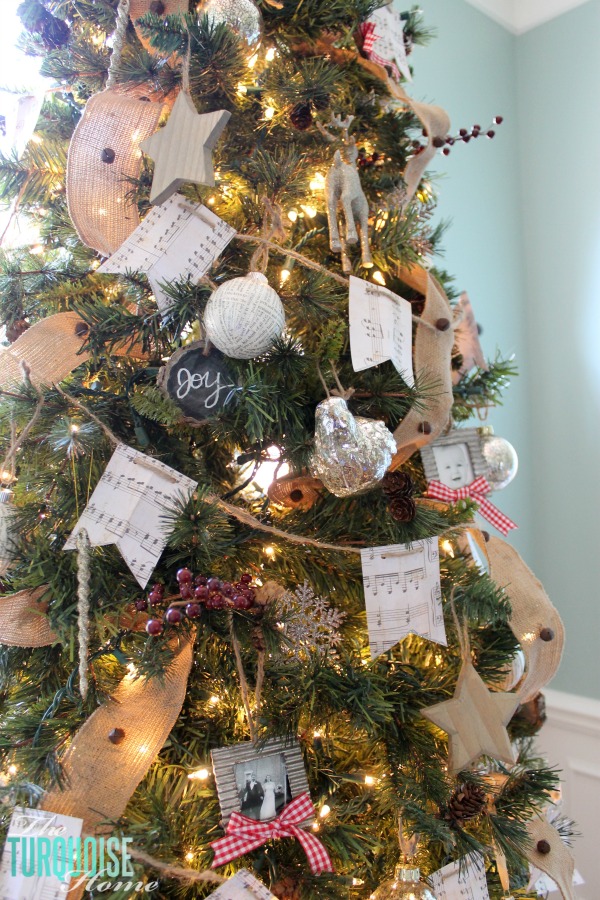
(128, 508)
(461, 880)
(243, 886)
(380, 328)
(177, 240)
(403, 593)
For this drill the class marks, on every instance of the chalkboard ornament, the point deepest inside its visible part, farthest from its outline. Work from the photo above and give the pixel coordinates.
(198, 383)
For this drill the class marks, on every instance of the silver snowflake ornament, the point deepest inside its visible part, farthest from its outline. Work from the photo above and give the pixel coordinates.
(310, 623)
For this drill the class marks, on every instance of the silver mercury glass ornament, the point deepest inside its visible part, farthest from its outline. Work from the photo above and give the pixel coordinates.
(351, 454)
(500, 457)
(242, 16)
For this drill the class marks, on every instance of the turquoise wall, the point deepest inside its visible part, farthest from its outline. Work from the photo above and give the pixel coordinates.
(525, 243)
(469, 69)
(558, 69)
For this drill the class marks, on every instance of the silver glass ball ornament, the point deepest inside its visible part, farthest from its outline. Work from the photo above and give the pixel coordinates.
(351, 454)
(405, 885)
(501, 460)
(241, 16)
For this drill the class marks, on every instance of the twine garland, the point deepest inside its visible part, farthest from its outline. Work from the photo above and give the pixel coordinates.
(83, 608)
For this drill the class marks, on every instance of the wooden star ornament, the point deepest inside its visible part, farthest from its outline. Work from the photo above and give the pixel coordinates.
(475, 720)
(182, 150)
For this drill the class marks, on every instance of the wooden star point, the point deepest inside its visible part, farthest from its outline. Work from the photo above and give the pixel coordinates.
(182, 150)
(475, 721)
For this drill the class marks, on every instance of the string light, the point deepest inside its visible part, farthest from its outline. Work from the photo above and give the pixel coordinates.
(324, 811)
(369, 780)
(310, 211)
(189, 856)
(241, 89)
(6, 475)
(269, 551)
(214, 700)
(318, 734)
(293, 215)
(131, 670)
(378, 277)
(284, 275)
(529, 637)
(252, 61)
(317, 182)
(270, 54)
(269, 112)
(448, 548)
(12, 769)
(74, 428)
(199, 775)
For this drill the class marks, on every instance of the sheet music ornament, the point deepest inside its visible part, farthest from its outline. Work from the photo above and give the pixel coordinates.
(129, 506)
(352, 454)
(244, 316)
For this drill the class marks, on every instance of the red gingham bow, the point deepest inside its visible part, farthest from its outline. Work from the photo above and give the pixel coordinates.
(478, 491)
(370, 38)
(244, 834)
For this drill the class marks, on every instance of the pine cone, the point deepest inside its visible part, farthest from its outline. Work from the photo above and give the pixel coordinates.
(301, 116)
(287, 889)
(397, 484)
(15, 329)
(467, 802)
(533, 713)
(402, 509)
(398, 488)
(54, 33)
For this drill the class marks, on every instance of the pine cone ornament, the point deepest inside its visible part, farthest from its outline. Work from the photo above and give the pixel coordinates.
(398, 489)
(15, 329)
(287, 889)
(467, 802)
(301, 116)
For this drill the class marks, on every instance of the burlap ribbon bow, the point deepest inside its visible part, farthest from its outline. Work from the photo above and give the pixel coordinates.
(244, 834)
(478, 491)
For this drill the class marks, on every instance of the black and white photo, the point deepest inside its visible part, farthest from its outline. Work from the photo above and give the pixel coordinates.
(263, 787)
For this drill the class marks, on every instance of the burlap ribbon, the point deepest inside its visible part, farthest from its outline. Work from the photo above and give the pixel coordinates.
(99, 183)
(557, 861)
(432, 354)
(51, 350)
(23, 621)
(532, 615)
(101, 776)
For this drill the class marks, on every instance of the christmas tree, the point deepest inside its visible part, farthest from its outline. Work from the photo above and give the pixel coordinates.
(241, 571)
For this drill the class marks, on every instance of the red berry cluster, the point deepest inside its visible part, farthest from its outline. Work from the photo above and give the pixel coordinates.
(368, 160)
(464, 136)
(196, 592)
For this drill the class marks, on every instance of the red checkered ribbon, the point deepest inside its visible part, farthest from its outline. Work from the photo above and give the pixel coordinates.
(244, 834)
(478, 491)
(370, 38)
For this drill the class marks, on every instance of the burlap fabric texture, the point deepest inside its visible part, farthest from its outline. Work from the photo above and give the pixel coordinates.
(23, 620)
(98, 190)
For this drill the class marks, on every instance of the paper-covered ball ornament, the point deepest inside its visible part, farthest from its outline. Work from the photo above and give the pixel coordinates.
(501, 460)
(405, 885)
(351, 454)
(244, 316)
(242, 16)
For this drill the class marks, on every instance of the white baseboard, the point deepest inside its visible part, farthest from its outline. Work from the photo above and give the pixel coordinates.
(570, 740)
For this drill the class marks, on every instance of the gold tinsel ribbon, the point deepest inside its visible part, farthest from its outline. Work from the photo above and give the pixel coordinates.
(100, 775)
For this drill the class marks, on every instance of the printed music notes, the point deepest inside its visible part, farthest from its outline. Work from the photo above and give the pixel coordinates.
(243, 886)
(461, 880)
(403, 593)
(128, 509)
(380, 328)
(177, 240)
(35, 823)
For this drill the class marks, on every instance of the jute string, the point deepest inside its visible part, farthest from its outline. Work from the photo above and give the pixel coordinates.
(273, 228)
(180, 873)
(532, 611)
(243, 682)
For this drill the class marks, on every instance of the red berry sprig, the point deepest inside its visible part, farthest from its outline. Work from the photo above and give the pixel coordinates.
(195, 593)
(464, 136)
